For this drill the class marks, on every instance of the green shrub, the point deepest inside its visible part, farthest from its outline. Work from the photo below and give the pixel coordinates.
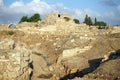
(76, 21)
(10, 32)
(34, 18)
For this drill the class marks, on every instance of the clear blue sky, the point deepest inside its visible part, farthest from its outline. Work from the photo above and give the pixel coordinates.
(105, 10)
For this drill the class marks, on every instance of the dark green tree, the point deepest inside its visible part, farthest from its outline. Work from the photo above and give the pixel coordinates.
(24, 19)
(76, 21)
(101, 23)
(95, 21)
(86, 19)
(34, 18)
(89, 21)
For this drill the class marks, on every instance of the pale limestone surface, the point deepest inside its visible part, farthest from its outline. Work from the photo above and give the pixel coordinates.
(14, 58)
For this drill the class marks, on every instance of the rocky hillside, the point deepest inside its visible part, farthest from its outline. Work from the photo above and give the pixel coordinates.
(58, 49)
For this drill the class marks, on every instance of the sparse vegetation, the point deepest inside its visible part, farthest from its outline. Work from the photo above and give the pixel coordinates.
(76, 21)
(24, 19)
(89, 22)
(34, 18)
(101, 23)
(10, 32)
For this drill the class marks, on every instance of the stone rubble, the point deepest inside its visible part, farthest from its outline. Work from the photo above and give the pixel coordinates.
(14, 60)
(59, 49)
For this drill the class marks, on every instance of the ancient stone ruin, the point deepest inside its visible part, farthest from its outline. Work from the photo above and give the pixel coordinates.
(57, 17)
(57, 48)
(14, 61)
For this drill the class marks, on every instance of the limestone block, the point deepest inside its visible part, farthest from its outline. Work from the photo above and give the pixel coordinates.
(2, 57)
(48, 28)
(16, 62)
(51, 68)
(72, 40)
(12, 74)
(70, 52)
(24, 64)
(27, 59)
(75, 51)
(54, 44)
(27, 53)
(1, 76)
(16, 68)
(9, 67)
(7, 44)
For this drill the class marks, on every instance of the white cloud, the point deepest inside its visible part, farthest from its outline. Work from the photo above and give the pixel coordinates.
(118, 8)
(18, 8)
(80, 14)
(91, 13)
(32, 7)
(17, 4)
(1, 3)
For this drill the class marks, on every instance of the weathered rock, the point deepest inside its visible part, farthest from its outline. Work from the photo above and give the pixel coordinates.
(61, 49)
(106, 71)
(110, 55)
(15, 60)
(50, 28)
(40, 66)
(75, 51)
(57, 17)
(7, 44)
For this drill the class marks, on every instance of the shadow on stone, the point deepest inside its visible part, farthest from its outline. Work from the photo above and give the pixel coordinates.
(115, 55)
(93, 64)
(32, 67)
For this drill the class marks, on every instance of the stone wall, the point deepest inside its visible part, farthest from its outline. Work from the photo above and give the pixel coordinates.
(53, 18)
(14, 61)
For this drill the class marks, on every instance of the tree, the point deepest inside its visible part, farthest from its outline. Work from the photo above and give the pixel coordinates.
(88, 20)
(34, 18)
(101, 23)
(76, 21)
(95, 21)
(24, 19)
